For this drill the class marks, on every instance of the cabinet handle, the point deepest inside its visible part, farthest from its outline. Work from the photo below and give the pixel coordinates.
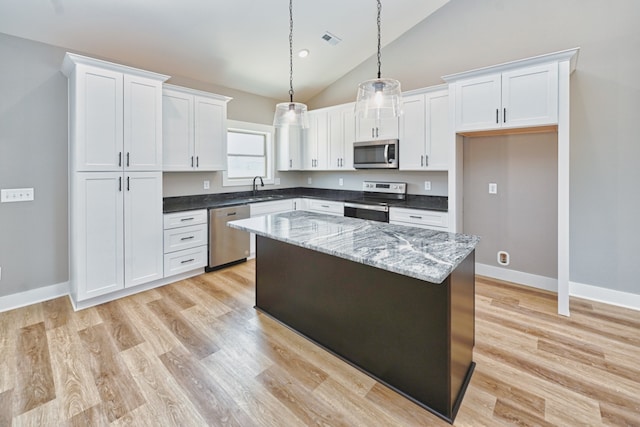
(127, 159)
(187, 260)
(373, 134)
(119, 183)
(187, 238)
(497, 112)
(421, 161)
(504, 116)
(120, 159)
(187, 219)
(426, 160)
(415, 217)
(128, 187)
(290, 163)
(191, 161)
(377, 134)
(197, 161)
(325, 206)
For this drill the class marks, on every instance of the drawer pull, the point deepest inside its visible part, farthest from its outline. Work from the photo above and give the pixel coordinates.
(187, 219)
(187, 238)
(187, 260)
(415, 217)
(325, 206)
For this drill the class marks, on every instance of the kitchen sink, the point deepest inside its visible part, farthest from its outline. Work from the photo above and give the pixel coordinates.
(262, 198)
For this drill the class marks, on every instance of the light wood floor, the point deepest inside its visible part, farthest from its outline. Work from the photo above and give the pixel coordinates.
(196, 353)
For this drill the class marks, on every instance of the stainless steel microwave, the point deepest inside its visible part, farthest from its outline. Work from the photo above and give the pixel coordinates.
(381, 154)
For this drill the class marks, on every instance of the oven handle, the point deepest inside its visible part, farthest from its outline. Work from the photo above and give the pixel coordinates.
(368, 207)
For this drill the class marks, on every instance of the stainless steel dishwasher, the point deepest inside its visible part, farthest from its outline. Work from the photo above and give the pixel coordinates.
(227, 245)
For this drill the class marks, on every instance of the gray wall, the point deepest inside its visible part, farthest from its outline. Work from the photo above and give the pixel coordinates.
(33, 153)
(605, 105)
(522, 218)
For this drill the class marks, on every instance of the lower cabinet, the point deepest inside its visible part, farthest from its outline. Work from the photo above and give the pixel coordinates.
(115, 229)
(434, 220)
(185, 241)
(266, 208)
(324, 206)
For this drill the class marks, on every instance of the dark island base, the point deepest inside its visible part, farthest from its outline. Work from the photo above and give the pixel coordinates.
(414, 336)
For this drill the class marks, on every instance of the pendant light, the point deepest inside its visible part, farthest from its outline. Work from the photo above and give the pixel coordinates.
(379, 98)
(291, 114)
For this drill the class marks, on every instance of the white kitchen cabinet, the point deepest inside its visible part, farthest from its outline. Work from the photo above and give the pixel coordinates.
(116, 238)
(374, 129)
(289, 148)
(194, 130)
(515, 98)
(424, 130)
(115, 119)
(433, 220)
(315, 150)
(341, 136)
(115, 197)
(185, 241)
(329, 207)
(266, 208)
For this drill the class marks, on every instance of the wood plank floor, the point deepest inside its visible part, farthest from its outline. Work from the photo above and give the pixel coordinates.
(195, 353)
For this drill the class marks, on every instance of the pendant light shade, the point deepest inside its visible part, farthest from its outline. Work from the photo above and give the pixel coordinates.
(379, 98)
(291, 114)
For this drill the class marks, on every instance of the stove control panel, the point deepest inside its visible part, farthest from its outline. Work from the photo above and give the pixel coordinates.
(384, 187)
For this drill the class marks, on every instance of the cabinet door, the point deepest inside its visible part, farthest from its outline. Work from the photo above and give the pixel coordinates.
(317, 130)
(530, 96)
(288, 144)
(97, 231)
(142, 124)
(177, 131)
(210, 134)
(437, 130)
(349, 135)
(96, 119)
(412, 133)
(336, 139)
(371, 129)
(143, 227)
(478, 103)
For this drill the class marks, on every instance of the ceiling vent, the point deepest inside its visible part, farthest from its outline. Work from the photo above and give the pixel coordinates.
(330, 38)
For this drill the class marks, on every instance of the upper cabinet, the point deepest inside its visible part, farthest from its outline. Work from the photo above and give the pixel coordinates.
(115, 116)
(328, 143)
(424, 130)
(194, 130)
(289, 148)
(315, 149)
(515, 98)
(372, 129)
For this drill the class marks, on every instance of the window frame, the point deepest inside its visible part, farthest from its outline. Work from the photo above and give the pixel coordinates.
(254, 128)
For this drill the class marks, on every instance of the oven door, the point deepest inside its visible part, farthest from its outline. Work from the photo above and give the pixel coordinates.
(370, 212)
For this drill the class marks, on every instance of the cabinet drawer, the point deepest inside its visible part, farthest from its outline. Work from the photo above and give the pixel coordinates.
(185, 260)
(419, 218)
(328, 207)
(176, 239)
(180, 219)
(265, 208)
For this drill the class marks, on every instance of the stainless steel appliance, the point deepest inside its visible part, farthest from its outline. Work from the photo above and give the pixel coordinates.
(376, 154)
(227, 245)
(375, 201)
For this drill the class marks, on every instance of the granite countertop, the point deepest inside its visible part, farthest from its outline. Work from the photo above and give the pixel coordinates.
(415, 252)
(204, 201)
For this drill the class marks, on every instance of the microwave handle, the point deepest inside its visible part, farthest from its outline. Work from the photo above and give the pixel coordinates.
(386, 153)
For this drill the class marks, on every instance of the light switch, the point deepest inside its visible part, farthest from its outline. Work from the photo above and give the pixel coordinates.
(16, 195)
(493, 188)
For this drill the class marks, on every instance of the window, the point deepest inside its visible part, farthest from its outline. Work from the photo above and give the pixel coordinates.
(249, 153)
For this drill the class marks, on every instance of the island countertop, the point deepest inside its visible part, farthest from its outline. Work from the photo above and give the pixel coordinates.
(419, 253)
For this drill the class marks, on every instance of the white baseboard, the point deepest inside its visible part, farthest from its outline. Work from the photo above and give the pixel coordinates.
(519, 277)
(22, 299)
(608, 296)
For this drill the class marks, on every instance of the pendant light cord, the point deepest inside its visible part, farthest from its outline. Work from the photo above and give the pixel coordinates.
(379, 61)
(291, 50)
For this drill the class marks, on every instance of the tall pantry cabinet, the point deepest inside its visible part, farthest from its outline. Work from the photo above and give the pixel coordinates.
(115, 176)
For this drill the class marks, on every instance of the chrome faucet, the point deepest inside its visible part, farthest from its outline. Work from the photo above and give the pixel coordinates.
(255, 188)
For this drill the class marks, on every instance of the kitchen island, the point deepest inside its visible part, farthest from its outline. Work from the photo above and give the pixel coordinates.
(396, 302)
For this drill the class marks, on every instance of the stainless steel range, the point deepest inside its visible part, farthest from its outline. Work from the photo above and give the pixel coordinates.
(376, 200)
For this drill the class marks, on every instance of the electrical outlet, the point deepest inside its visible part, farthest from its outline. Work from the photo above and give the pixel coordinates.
(340, 182)
(309, 180)
(493, 188)
(427, 185)
(17, 195)
(206, 184)
(277, 181)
